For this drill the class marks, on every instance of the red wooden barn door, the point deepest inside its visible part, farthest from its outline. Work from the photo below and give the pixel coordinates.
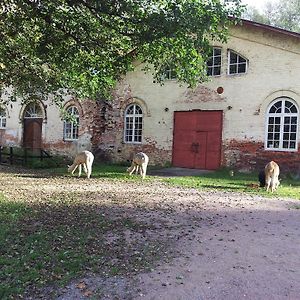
(197, 139)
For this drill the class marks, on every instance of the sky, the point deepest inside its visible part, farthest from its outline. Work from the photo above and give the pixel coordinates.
(259, 4)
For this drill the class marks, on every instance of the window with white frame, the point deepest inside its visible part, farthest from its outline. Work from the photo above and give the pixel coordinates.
(237, 64)
(133, 126)
(2, 118)
(33, 110)
(71, 124)
(214, 62)
(282, 125)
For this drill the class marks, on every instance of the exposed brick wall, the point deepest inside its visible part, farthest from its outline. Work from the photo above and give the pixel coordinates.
(250, 155)
(108, 143)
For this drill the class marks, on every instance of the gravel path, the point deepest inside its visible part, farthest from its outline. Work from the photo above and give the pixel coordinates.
(227, 245)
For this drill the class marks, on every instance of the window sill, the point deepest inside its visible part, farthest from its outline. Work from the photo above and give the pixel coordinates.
(281, 150)
(70, 140)
(237, 74)
(135, 143)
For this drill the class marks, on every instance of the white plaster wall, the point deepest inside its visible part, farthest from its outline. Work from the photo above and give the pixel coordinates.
(274, 70)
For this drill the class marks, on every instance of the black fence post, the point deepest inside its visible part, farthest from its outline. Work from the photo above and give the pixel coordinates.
(11, 155)
(25, 156)
(1, 148)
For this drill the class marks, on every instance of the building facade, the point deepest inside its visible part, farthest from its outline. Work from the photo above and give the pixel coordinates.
(246, 114)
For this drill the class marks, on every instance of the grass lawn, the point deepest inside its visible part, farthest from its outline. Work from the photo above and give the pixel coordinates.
(240, 182)
(220, 180)
(49, 243)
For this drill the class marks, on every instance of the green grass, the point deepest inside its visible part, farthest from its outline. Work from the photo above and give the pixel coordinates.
(240, 182)
(109, 171)
(217, 180)
(48, 244)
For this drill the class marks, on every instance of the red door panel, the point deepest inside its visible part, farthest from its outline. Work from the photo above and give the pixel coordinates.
(197, 139)
(200, 147)
(213, 150)
(183, 156)
(209, 121)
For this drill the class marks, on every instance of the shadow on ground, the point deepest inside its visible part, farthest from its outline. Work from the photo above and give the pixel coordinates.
(175, 172)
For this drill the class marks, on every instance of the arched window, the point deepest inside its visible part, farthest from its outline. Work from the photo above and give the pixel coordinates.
(71, 124)
(282, 125)
(32, 111)
(133, 124)
(2, 118)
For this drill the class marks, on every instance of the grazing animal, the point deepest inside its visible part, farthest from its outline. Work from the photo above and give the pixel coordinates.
(271, 175)
(139, 163)
(85, 159)
(262, 178)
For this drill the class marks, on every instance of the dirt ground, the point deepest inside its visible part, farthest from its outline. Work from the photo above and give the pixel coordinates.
(226, 245)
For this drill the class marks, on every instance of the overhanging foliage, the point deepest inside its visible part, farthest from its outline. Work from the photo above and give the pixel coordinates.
(84, 46)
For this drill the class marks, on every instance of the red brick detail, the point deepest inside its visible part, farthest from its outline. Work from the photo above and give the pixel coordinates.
(250, 155)
(202, 94)
(8, 139)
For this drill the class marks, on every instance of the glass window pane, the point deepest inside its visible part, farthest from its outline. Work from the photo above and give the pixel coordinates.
(217, 51)
(210, 62)
(242, 60)
(294, 120)
(285, 144)
(218, 60)
(286, 128)
(233, 69)
(277, 120)
(233, 58)
(217, 71)
(242, 68)
(287, 120)
(293, 136)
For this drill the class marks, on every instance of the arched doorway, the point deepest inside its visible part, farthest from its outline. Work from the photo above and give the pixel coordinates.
(32, 129)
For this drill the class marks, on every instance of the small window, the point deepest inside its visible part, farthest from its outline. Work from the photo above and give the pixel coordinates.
(169, 73)
(133, 126)
(2, 118)
(236, 63)
(282, 125)
(71, 125)
(214, 62)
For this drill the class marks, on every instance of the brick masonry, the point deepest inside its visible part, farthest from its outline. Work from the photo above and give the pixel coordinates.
(247, 155)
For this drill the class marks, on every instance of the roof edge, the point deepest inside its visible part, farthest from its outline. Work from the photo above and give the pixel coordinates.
(270, 28)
